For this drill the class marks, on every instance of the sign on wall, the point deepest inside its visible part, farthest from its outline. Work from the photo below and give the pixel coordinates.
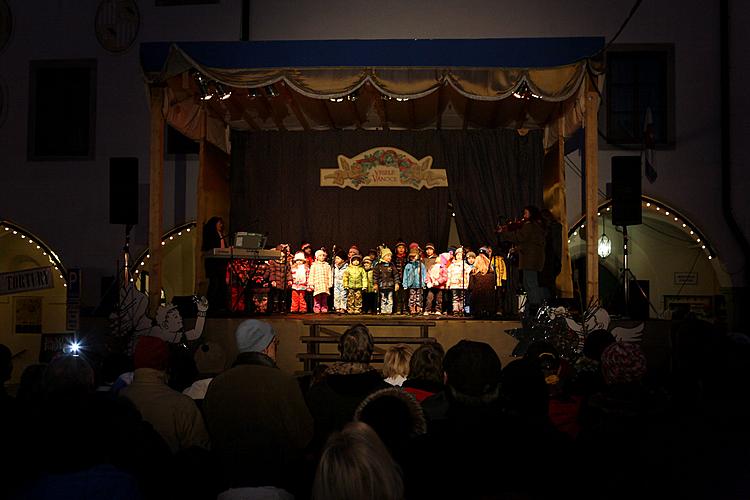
(383, 166)
(27, 280)
(28, 314)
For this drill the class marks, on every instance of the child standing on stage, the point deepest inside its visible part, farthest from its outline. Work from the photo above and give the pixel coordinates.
(399, 261)
(280, 274)
(482, 288)
(471, 257)
(369, 297)
(300, 275)
(339, 292)
(321, 281)
(437, 275)
(355, 281)
(415, 274)
(385, 275)
(458, 281)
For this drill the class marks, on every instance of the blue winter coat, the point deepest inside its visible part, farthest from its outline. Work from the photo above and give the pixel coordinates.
(412, 276)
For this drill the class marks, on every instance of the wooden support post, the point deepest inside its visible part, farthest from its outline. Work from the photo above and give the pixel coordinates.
(592, 196)
(156, 195)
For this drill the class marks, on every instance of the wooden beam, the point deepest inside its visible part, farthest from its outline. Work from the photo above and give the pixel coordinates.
(592, 196)
(467, 111)
(272, 110)
(381, 111)
(155, 195)
(289, 95)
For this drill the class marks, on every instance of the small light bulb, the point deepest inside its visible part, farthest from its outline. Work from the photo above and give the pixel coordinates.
(172, 237)
(648, 204)
(666, 213)
(657, 208)
(684, 225)
(163, 243)
(710, 257)
(703, 247)
(188, 230)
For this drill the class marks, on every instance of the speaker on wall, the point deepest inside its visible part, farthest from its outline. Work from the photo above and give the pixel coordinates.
(123, 191)
(626, 190)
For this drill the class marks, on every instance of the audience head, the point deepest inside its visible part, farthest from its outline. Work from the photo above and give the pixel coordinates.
(210, 358)
(31, 386)
(68, 376)
(6, 363)
(356, 344)
(473, 369)
(356, 464)
(525, 389)
(481, 264)
(623, 363)
(427, 363)
(396, 361)
(595, 343)
(253, 335)
(395, 415)
(151, 352)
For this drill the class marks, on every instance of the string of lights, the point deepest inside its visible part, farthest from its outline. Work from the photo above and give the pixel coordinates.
(8, 228)
(173, 235)
(662, 210)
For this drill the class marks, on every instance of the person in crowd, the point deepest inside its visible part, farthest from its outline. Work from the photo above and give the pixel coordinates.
(553, 241)
(216, 269)
(31, 383)
(345, 384)
(626, 423)
(399, 421)
(482, 288)
(425, 371)
(434, 280)
(587, 371)
(256, 415)
(307, 249)
(529, 240)
(300, 285)
(396, 364)
(385, 277)
(339, 292)
(279, 276)
(355, 282)
(471, 257)
(413, 281)
(458, 281)
(356, 464)
(369, 297)
(321, 281)
(174, 415)
(210, 360)
(401, 298)
(75, 441)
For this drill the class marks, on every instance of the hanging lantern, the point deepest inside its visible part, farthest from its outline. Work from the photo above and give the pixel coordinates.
(605, 246)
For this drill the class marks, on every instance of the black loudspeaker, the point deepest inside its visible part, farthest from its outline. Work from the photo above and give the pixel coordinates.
(123, 191)
(626, 190)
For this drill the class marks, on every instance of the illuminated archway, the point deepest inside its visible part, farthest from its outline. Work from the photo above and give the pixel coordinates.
(668, 251)
(26, 314)
(177, 266)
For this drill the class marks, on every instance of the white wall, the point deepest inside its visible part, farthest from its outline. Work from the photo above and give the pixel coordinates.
(66, 203)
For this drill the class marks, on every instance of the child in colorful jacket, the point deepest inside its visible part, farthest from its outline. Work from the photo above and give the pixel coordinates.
(385, 278)
(400, 259)
(280, 275)
(339, 292)
(355, 281)
(321, 281)
(458, 280)
(437, 276)
(415, 274)
(300, 276)
(369, 297)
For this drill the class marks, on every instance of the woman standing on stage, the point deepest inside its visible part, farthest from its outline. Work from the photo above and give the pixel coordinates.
(529, 239)
(216, 269)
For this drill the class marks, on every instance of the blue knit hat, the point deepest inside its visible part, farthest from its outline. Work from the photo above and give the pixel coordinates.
(254, 336)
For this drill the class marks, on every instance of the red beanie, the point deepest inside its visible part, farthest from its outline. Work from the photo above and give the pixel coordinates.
(151, 352)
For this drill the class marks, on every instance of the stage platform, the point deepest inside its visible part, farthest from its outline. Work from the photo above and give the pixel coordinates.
(293, 329)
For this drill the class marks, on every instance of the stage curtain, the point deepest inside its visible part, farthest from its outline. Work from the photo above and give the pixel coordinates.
(492, 175)
(276, 191)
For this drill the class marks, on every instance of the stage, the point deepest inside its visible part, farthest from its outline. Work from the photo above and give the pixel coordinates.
(295, 330)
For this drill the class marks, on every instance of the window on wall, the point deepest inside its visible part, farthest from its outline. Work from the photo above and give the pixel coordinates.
(640, 79)
(62, 110)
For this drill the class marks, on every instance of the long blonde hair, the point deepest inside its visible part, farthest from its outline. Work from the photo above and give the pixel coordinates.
(481, 264)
